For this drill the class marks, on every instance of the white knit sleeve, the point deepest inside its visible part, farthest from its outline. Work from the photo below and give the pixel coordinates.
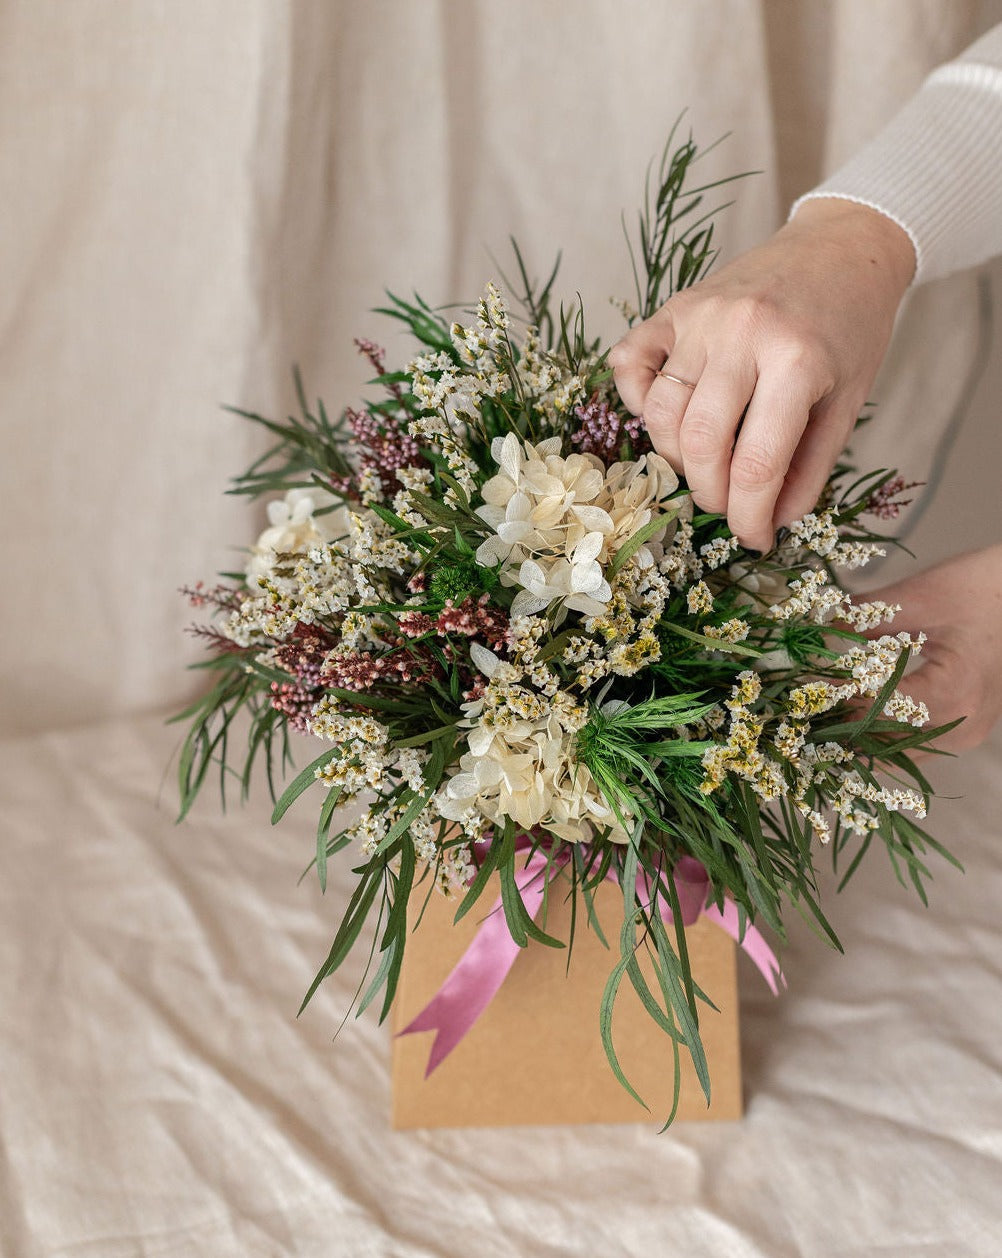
(936, 168)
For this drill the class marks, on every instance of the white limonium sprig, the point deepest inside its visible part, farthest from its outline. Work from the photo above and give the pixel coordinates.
(294, 528)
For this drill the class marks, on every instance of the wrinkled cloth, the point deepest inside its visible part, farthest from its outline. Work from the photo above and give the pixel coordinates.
(197, 196)
(160, 1098)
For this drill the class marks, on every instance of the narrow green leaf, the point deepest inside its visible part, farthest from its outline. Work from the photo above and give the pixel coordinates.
(301, 783)
(713, 644)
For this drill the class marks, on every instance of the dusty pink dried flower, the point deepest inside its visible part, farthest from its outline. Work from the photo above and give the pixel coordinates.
(885, 502)
(385, 446)
(295, 701)
(603, 428)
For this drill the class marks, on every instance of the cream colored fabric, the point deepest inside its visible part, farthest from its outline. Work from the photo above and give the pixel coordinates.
(194, 196)
(160, 1098)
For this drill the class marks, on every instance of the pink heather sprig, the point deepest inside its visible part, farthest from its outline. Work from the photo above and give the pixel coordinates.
(222, 597)
(473, 618)
(385, 446)
(294, 701)
(343, 487)
(373, 352)
(603, 428)
(359, 671)
(377, 361)
(885, 502)
(213, 640)
(303, 655)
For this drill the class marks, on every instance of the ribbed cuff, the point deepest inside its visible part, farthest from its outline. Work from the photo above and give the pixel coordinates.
(936, 170)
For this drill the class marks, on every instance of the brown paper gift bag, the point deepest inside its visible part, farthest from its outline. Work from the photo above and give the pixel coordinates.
(535, 1055)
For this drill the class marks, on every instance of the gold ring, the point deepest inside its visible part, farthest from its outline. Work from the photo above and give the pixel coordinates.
(678, 379)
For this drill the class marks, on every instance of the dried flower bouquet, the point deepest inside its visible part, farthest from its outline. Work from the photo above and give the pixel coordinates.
(524, 651)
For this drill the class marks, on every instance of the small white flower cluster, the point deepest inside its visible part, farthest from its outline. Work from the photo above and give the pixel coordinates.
(297, 574)
(871, 664)
(453, 396)
(410, 765)
(817, 532)
(370, 830)
(425, 831)
(299, 589)
(817, 697)
(553, 390)
(811, 597)
(373, 546)
(417, 479)
(294, 528)
(818, 770)
(733, 630)
(454, 871)
(479, 344)
(716, 553)
(357, 630)
(853, 791)
(365, 757)
(526, 637)
(680, 563)
(362, 745)
(698, 599)
(741, 755)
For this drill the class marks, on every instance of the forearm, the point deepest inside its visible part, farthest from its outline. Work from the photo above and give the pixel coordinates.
(936, 169)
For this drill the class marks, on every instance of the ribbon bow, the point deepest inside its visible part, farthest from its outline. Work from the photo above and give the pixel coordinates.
(477, 977)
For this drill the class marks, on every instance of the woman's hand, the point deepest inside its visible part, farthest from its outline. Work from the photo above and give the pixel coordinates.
(958, 604)
(783, 343)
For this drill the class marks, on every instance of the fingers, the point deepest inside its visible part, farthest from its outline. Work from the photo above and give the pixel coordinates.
(764, 475)
(639, 356)
(774, 424)
(823, 441)
(705, 435)
(668, 401)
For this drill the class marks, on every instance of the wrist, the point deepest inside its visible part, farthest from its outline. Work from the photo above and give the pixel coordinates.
(871, 237)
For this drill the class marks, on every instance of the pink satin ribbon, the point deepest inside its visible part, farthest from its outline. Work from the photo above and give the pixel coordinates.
(484, 966)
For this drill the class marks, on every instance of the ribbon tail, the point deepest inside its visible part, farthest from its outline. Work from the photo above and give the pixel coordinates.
(479, 973)
(753, 943)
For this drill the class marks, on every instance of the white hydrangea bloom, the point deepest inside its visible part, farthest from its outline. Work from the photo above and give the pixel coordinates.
(558, 521)
(528, 772)
(294, 528)
(521, 762)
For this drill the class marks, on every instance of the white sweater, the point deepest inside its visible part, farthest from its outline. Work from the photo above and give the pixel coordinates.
(936, 168)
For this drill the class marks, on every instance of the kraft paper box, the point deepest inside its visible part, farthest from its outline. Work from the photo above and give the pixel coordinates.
(535, 1056)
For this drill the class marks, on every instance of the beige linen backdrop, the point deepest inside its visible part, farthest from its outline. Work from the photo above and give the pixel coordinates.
(194, 195)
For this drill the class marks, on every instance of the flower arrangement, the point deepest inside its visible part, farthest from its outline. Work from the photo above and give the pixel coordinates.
(527, 654)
